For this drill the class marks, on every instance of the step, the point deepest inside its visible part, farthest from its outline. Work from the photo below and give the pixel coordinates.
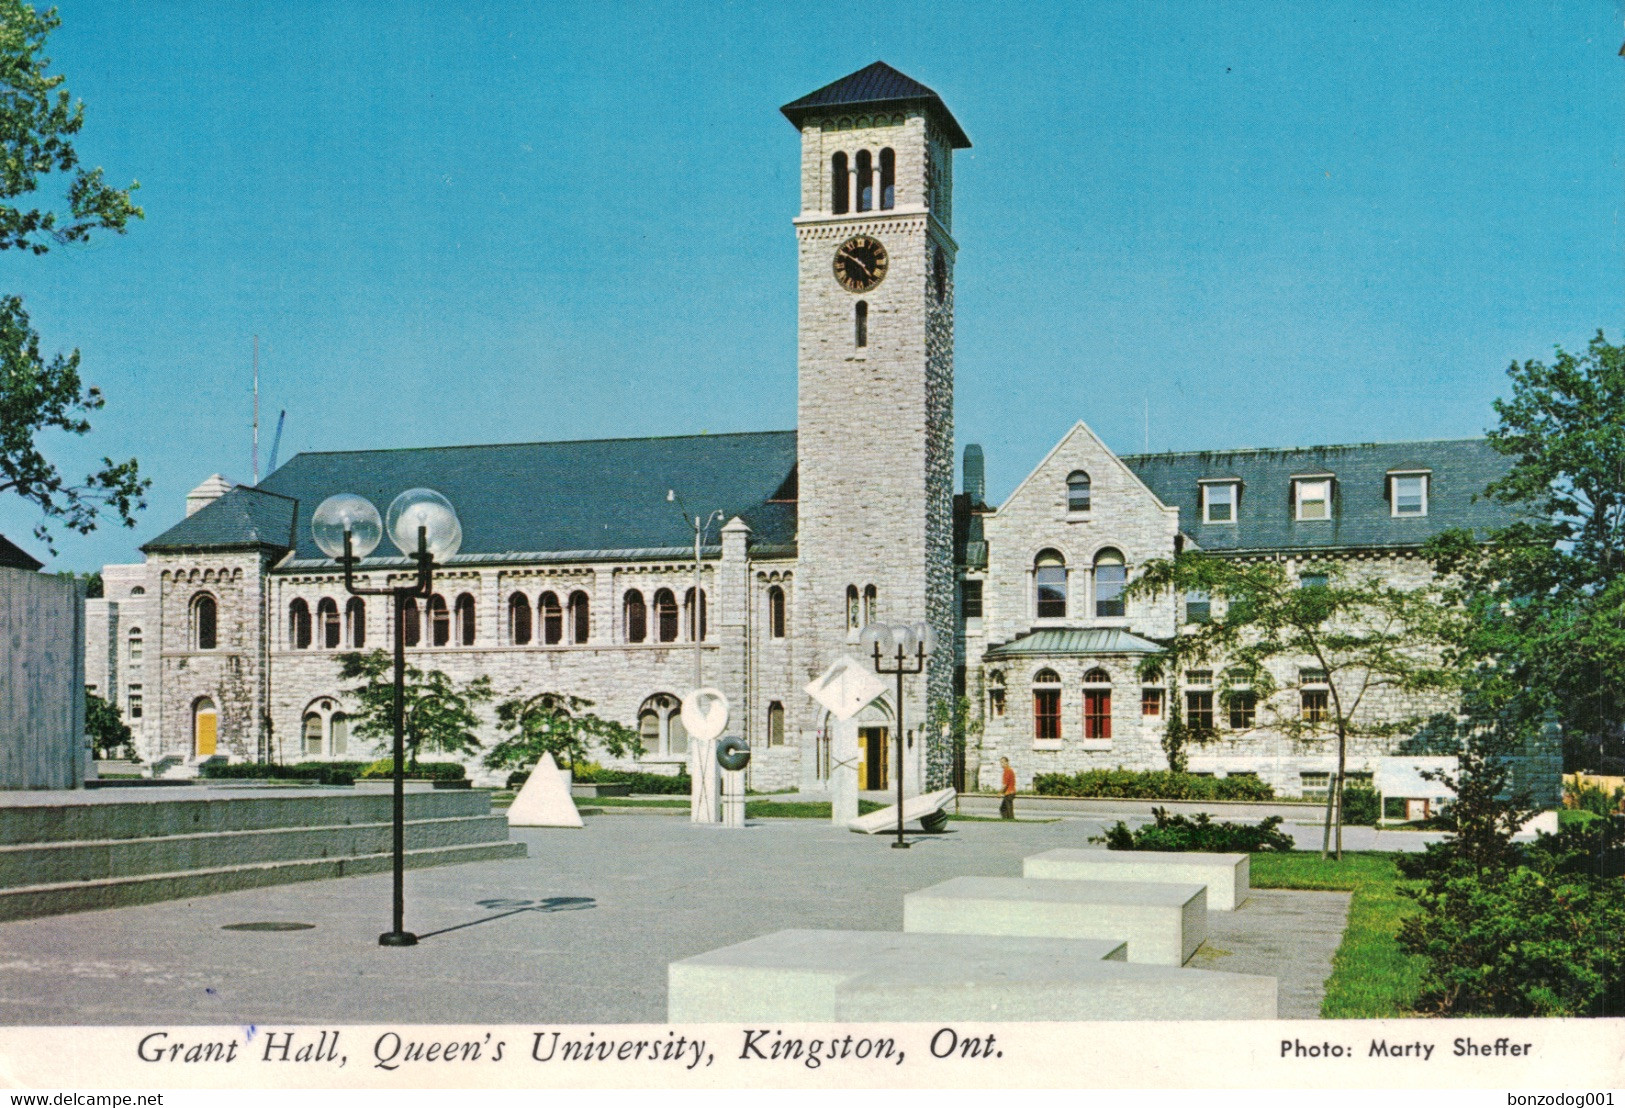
(869, 976)
(57, 862)
(1163, 924)
(55, 899)
(1226, 876)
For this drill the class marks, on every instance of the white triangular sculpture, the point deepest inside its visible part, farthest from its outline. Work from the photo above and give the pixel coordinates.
(545, 799)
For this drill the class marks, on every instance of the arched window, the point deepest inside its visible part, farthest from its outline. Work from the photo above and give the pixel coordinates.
(1110, 575)
(439, 621)
(840, 185)
(339, 732)
(689, 616)
(313, 733)
(775, 724)
(888, 178)
(995, 693)
(205, 727)
(1046, 706)
(775, 612)
(327, 618)
(660, 725)
(355, 623)
(552, 619)
(860, 324)
(519, 619)
(865, 181)
(634, 616)
(665, 616)
(411, 625)
(871, 605)
(1097, 705)
(1077, 491)
(299, 624)
(580, 621)
(464, 609)
(854, 611)
(205, 618)
(1049, 584)
(135, 644)
(139, 590)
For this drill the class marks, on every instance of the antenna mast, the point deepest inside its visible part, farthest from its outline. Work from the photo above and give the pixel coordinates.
(256, 409)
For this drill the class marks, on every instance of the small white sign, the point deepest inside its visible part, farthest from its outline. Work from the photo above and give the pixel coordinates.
(846, 687)
(705, 714)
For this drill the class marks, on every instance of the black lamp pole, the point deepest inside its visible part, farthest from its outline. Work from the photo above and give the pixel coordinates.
(900, 667)
(423, 587)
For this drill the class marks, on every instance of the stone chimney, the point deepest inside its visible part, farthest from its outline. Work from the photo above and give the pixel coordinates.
(207, 493)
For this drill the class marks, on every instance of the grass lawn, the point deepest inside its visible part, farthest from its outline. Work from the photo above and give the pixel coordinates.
(1371, 977)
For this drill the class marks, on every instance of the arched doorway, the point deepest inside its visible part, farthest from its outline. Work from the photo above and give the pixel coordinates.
(205, 727)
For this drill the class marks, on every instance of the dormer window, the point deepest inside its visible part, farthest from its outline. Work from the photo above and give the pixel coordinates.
(1219, 501)
(1408, 494)
(1312, 497)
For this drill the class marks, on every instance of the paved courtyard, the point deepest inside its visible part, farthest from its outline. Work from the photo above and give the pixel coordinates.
(580, 931)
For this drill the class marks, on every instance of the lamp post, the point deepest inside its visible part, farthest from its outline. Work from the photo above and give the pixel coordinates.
(899, 648)
(700, 524)
(422, 524)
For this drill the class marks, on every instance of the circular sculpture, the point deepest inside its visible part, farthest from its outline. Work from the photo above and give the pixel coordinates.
(733, 753)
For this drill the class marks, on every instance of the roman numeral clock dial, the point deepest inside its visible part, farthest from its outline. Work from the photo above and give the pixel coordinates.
(860, 263)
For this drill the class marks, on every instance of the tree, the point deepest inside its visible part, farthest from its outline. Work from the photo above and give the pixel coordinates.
(439, 713)
(1547, 593)
(560, 725)
(38, 119)
(109, 734)
(1341, 642)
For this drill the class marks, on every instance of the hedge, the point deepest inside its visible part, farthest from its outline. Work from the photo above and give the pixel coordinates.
(645, 784)
(435, 771)
(1154, 784)
(1199, 833)
(322, 773)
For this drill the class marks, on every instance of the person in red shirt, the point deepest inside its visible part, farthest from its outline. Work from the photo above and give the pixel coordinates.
(1007, 806)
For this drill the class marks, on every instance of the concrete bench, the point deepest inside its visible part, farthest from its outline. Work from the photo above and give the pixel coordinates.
(873, 976)
(1163, 924)
(925, 808)
(1224, 875)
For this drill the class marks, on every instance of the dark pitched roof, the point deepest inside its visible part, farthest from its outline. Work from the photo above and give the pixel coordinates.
(13, 556)
(875, 86)
(530, 498)
(245, 518)
(1362, 518)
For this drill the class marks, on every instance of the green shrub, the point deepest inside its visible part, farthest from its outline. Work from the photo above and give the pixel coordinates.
(1592, 798)
(1197, 833)
(1151, 785)
(434, 771)
(321, 773)
(645, 784)
(1360, 805)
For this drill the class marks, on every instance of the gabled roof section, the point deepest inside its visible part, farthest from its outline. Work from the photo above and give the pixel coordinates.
(13, 556)
(1073, 641)
(1082, 428)
(590, 496)
(875, 86)
(245, 518)
(1458, 471)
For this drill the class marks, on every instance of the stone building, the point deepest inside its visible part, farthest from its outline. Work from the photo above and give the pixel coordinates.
(577, 574)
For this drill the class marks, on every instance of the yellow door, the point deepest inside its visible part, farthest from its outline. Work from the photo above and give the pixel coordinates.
(206, 725)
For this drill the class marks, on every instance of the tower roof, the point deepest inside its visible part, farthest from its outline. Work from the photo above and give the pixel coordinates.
(875, 86)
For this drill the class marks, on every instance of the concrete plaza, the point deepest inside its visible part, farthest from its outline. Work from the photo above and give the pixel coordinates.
(580, 931)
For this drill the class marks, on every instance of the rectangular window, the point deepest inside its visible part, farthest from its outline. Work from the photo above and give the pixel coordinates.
(1316, 705)
(134, 701)
(1151, 703)
(1051, 584)
(1109, 580)
(970, 602)
(1199, 677)
(135, 648)
(775, 724)
(1410, 494)
(1219, 503)
(1097, 713)
(1199, 709)
(1312, 580)
(1046, 714)
(1314, 498)
(1243, 711)
(995, 701)
(1198, 607)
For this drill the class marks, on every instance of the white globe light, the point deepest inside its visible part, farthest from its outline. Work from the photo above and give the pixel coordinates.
(871, 636)
(928, 636)
(427, 510)
(346, 512)
(904, 638)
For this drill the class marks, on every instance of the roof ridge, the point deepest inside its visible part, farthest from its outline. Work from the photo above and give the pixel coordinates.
(1299, 449)
(538, 442)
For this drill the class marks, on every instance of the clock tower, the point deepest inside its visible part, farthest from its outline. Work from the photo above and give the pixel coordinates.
(875, 357)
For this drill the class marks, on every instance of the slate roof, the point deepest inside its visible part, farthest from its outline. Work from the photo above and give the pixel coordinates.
(1073, 641)
(1459, 469)
(875, 86)
(13, 556)
(245, 518)
(532, 501)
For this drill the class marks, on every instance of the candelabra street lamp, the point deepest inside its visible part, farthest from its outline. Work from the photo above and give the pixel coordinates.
(899, 648)
(425, 528)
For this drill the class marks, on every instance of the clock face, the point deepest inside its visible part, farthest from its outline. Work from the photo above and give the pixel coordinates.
(860, 263)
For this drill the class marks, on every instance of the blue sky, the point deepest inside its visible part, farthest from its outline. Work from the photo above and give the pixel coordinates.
(1272, 224)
